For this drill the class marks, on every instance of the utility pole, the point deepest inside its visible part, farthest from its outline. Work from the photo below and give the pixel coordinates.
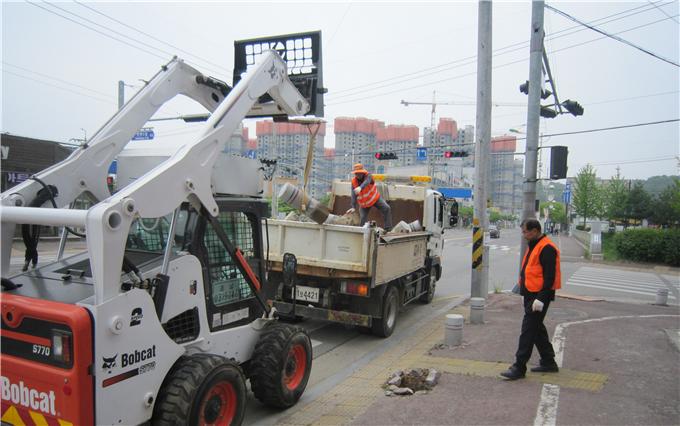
(533, 115)
(480, 225)
(275, 195)
(121, 94)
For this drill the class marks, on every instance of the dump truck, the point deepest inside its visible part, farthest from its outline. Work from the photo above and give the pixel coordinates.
(356, 275)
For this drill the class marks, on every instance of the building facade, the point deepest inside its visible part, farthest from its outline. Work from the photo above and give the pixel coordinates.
(288, 143)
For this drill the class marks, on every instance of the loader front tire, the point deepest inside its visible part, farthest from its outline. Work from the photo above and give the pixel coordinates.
(280, 366)
(201, 389)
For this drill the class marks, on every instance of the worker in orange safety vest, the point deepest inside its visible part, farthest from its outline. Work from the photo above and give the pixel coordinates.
(539, 277)
(365, 194)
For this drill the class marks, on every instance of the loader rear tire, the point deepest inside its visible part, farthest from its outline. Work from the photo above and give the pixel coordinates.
(385, 325)
(280, 366)
(201, 389)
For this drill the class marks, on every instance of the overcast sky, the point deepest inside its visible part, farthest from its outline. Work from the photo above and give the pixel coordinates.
(59, 77)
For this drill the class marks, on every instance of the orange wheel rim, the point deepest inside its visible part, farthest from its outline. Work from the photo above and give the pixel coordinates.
(296, 365)
(219, 405)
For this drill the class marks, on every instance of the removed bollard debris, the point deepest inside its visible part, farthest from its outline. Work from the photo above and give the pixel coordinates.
(414, 381)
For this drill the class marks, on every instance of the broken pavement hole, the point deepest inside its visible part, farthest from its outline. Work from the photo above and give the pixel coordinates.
(409, 382)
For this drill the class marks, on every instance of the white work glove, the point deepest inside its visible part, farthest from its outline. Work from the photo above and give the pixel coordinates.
(357, 190)
(537, 306)
(350, 211)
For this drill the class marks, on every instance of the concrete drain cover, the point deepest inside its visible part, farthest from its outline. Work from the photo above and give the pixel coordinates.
(413, 381)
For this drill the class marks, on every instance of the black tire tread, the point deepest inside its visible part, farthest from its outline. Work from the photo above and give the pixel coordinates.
(267, 364)
(179, 389)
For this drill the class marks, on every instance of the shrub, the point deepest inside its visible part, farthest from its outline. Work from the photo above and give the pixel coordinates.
(649, 245)
(583, 228)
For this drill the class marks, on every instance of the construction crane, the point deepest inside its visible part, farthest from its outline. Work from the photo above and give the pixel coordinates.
(434, 103)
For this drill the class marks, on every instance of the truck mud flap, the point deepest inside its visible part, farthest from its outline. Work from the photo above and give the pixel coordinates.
(325, 314)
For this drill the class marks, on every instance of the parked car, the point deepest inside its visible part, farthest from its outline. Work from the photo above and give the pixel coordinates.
(494, 232)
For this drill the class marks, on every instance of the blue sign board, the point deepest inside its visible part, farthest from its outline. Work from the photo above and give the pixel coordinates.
(381, 169)
(456, 192)
(421, 154)
(144, 134)
(251, 153)
(566, 197)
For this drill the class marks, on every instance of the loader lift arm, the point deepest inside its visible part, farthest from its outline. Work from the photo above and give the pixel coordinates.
(184, 176)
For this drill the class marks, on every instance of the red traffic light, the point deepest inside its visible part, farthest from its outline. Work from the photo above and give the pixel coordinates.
(455, 154)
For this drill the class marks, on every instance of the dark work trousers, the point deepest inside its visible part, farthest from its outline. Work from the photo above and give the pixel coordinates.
(384, 209)
(534, 333)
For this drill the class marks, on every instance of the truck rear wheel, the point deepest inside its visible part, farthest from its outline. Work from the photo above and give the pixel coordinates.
(281, 364)
(202, 389)
(431, 284)
(385, 325)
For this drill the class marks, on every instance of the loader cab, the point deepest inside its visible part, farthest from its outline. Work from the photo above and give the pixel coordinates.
(229, 300)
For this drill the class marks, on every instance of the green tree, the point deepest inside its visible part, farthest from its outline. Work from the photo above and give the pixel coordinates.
(587, 194)
(663, 211)
(615, 197)
(639, 202)
(556, 211)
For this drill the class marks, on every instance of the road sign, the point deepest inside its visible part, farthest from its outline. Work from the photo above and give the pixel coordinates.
(251, 154)
(421, 154)
(144, 134)
(567, 187)
(566, 196)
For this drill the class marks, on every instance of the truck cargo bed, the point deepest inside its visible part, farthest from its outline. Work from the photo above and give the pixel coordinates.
(340, 251)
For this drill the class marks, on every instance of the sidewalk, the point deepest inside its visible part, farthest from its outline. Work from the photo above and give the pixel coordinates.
(620, 365)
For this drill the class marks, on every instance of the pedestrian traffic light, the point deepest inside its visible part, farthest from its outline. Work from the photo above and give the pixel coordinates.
(573, 107)
(558, 162)
(524, 88)
(386, 156)
(455, 154)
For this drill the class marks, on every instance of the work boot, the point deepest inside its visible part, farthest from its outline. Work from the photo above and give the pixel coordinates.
(546, 367)
(514, 373)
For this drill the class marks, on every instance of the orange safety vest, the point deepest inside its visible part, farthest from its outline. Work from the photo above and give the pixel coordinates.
(368, 196)
(533, 274)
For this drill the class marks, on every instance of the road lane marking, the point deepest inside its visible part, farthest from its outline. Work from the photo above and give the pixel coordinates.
(546, 413)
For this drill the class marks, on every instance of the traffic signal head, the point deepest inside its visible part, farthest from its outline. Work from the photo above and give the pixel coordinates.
(573, 107)
(548, 112)
(455, 154)
(524, 88)
(558, 162)
(385, 156)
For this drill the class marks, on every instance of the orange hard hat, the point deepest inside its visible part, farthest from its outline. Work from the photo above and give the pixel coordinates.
(359, 168)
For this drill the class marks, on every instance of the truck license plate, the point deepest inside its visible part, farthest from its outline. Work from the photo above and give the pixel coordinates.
(308, 294)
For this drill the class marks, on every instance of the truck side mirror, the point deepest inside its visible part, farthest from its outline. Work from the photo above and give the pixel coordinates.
(453, 220)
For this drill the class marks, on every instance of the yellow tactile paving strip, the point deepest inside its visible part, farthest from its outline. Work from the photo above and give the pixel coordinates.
(354, 395)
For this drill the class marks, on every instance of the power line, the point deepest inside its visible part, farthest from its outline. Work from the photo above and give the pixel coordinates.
(472, 59)
(663, 11)
(566, 15)
(474, 72)
(57, 79)
(97, 31)
(58, 87)
(149, 35)
(642, 160)
(609, 128)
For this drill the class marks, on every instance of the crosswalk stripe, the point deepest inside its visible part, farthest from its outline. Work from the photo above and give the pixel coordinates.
(618, 289)
(590, 280)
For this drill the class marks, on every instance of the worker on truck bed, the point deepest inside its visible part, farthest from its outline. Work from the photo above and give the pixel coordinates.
(366, 195)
